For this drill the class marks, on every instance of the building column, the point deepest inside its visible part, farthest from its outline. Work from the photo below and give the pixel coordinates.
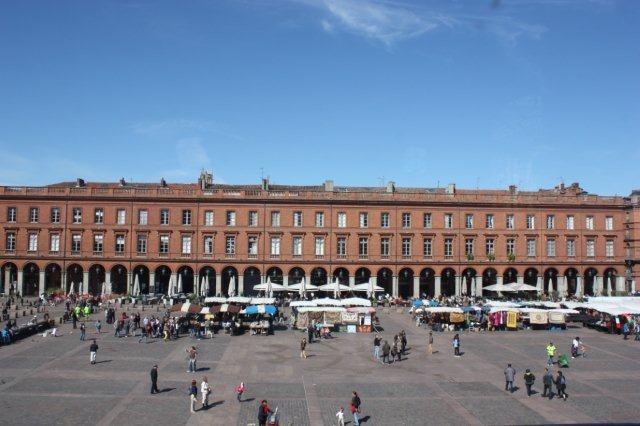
(352, 280)
(579, 286)
(7, 281)
(437, 286)
(620, 284)
(65, 290)
(597, 285)
(499, 280)
(633, 286)
(456, 279)
(394, 286)
(240, 289)
(285, 280)
(152, 282)
(196, 284)
(41, 283)
(519, 279)
(129, 282)
(218, 284)
(19, 287)
(540, 284)
(416, 286)
(107, 280)
(477, 282)
(85, 282)
(562, 285)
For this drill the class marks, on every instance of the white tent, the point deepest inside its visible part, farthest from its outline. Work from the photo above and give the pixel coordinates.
(232, 286)
(215, 300)
(335, 287)
(355, 301)
(239, 299)
(327, 302)
(136, 286)
(301, 303)
(303, 287)
(500, 288)
(523, 287)
(369, 287)
(263, 300)
(269, 286)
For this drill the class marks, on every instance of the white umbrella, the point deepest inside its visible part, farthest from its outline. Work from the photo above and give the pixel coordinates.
(473, 287)
(500, 288)
(136, 286)
(232, 286)
(336, 287)
(549, 289)
(179, 284)
(71, 288)
(103, 290)
(171, 289)
(608, 286)
(204, 286)
(578, 286)
(524, 287)
(369, 287)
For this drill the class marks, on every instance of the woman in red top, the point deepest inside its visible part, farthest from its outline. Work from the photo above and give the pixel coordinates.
(263, 413)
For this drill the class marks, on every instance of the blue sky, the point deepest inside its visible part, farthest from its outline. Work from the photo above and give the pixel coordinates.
(480, 93)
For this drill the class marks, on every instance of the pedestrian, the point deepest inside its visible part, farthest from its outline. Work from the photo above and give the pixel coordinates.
(394, 352)
(74, 319)
(456, 345)
(239, 391)
(303, 346)
(143, 335)
(192, 354)
(509, 377)
(193, 396)
(575, 347)
(310, 329)
(430, 343)
(82, 331)
(205, 389)
(340, 416)
(529, 379)
(551, 352)
(636, 331)
(263, 413)
(547, 380)
(386, 349)
(355, 408)
(399, 350)
(376, 347)
(93, 351)
(154, 380)
(625, 330)
(403, 342)
(561, 385)
(98, 326)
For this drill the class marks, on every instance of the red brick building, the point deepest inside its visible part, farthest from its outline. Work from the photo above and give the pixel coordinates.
(411, 241)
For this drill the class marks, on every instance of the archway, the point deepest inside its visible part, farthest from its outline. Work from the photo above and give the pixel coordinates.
(207, 273)
(405, 283)
(531, 277)
(550, 281)
(53, 277)
(427, 283)
(468, 276)
(119, 279)
(30, 279)
(295, 275)
(609, 281)
(96, 278)
(318, 276)
(142, 273)
(185, 273)
(385, 280)
(75, 275)
(342, 275)
(275, 274)
(489, 277)
(448, 282)
(9, 277)
(162, 276)
(251, 279)
(362, 276)
(225, 278)
(590, 281)
(510, 276)
(571, 277)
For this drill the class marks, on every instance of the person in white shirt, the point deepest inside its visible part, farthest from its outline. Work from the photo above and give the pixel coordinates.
(205, 390)
(340, 416)
(575, 347)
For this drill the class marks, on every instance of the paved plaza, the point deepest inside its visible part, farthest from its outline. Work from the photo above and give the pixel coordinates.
(50, 381)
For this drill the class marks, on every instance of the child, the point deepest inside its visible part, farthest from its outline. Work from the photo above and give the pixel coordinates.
(340, 416)
(239, 391)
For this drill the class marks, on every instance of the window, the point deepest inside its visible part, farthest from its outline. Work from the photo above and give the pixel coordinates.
(448, 247)
(406, 220)
(406, 247)
(98, 216)
(384, 220)
(468, 247)
(384, 247)
(363, 246)
(230, 245)
(489, 246)
(275, 246)
(468, 221)
(164, 217)
(12, 214)
(98, 241)
(164, 244)
(208, 218)
(531, 247)
(341, 246)
(143, 217)
(33, 215)
(76, 243)
(119, 243)
(551, 221)
(342, 220)
(186, 217)
(551, 247)
(589, 222)
(511, 246)
(448, 220)
(608, 223)
(55, 215)
(186, 244)
(252, 247)
(571, 247)
(319, 246)
(297, 219)
(488, 222)
(427, 247)
(570, 222)
(253, 218)
(33, 242)
(608, 248)
(426, 220)
(141, 246)
(275, 219)
(319, 219)
(208, 244)
(10, 242)
(591, 247)
(364, 219)
(531, 221)
(297, 246)
(121, 217)
(231, 218)
(511, 223)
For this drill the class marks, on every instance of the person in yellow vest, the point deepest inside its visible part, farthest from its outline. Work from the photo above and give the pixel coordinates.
(87, 311)
(551, 352)
(78, 311)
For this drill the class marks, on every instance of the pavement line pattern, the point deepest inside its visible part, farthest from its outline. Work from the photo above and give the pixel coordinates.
(313, 404)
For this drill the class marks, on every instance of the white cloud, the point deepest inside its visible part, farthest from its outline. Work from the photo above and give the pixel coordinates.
(327, 26)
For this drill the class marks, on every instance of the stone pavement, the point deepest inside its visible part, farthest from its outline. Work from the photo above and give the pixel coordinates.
(50, 381)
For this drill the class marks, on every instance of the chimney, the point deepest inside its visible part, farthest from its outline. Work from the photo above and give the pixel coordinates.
(163, 183)
(513, 189)
(451, 189)
(328, 185)
(122, 182)
(265, 183)
(80, 183)
(391, 187)
(205, 180)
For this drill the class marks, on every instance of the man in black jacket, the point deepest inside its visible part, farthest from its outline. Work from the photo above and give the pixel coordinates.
(154, 380)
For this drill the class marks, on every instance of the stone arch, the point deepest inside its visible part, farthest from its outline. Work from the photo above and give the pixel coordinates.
(119, 279)
(362, 275)
(30, 279)
(427, 283)
(385, 280)
(405, 283)
(448, 282)
(162, 277)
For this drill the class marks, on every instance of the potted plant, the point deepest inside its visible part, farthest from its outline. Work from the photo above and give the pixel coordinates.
(491, 257)
(469, 256)
(511, 257)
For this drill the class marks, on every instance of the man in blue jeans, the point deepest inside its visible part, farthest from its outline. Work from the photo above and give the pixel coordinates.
(376, 347)
(355, 408)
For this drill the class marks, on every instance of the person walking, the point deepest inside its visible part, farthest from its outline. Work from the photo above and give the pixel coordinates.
(561, 385)
(456, 345)
(547, 381)
(403, 341)
(263, 413)
(205, 389)
(625, 330)
(551, 352)
(386, 349)
(193, 396)
(303, 346)
(82, 331)
(636, 330)
(575, 347)
(509, 377)
(430, 343)
(93, 351)
(529, 379)
(355, 408)
(154, 380)
(239, 391)
(340, 416)
(98, 327)
(376, 347)
(192, 354)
